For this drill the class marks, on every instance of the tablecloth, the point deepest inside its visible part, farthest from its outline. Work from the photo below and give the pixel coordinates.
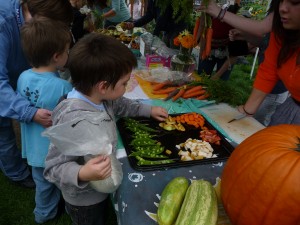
(137, 198)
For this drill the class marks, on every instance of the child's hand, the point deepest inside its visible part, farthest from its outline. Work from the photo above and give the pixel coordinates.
(43, 117)
(98, 168)
(159, 113)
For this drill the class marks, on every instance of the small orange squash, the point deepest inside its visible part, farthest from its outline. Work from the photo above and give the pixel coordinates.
(261, 179)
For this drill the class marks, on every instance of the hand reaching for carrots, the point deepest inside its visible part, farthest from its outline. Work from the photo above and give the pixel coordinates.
(159, 113)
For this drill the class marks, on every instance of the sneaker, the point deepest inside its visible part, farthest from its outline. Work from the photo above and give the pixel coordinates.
(27, 182)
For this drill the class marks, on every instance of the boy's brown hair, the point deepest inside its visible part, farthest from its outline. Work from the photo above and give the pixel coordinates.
(55, 9)
(96, 58)
(41, 38)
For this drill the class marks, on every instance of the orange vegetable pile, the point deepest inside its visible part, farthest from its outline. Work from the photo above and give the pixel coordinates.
(175, 92)
(193, 119)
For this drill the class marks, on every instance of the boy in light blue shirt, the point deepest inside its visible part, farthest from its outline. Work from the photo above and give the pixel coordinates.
(45, 43)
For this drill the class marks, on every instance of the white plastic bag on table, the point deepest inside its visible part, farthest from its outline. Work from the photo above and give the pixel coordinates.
(86, 136)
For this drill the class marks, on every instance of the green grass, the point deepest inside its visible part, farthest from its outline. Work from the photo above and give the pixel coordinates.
(17, 203)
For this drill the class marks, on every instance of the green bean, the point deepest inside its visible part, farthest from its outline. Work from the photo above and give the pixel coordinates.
(150, 149)
(147, 155)
(143, 135)
(143, 141)
(144, 162)
(135, 125)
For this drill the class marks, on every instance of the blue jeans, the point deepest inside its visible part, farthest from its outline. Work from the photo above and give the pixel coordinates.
(11, 162)
(208, 65)
(88, 215)
(286, 113)
(268, 107)
(47, 196)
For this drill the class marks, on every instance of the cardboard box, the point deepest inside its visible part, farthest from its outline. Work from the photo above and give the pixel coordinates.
(154, 61)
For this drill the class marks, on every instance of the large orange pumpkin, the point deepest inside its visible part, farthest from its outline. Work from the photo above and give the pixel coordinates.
(261, 180)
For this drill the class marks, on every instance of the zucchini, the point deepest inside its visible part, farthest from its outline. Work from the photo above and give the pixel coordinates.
(171, 200)
(200, 205)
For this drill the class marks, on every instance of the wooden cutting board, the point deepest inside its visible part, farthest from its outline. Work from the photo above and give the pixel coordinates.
(238, 130)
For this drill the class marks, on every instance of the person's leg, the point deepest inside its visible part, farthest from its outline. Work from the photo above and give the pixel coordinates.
(206, 66)
(47, 196)
(88, 215)
(226, 74)
(286, 113)
(11, 162)
(268, 107)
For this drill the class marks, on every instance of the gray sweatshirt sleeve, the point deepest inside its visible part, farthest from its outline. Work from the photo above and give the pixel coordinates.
(62, 170)
(128, 107)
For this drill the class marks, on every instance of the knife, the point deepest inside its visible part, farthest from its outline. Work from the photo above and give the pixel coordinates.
(241, 116)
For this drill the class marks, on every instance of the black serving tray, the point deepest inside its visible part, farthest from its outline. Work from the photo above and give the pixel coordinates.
(169, 139)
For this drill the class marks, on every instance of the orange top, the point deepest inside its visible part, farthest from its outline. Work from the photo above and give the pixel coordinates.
(268, 73)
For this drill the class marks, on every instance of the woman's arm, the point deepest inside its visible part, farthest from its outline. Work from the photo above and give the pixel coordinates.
(235, 34)
(230, 61)
(255, 99)
(115, 7)
(254, 27)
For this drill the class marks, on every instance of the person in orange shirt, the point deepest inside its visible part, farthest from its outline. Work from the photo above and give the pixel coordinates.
(282, 62)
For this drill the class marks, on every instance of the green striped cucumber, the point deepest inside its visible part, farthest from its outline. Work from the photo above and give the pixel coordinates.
(200, 205)
(171, 200)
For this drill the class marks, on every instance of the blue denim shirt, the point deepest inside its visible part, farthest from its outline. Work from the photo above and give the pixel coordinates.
(12, 63)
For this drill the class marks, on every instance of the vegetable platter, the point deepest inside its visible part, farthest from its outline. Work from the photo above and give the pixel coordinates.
(153, 145)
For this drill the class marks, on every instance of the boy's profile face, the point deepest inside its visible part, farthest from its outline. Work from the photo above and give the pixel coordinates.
(119, 89)
(62, 58)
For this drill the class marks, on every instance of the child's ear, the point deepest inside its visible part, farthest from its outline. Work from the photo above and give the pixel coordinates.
(102, 86)
(56, 57)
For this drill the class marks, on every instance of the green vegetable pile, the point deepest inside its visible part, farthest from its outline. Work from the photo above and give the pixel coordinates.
(146, 149)
(232, 92)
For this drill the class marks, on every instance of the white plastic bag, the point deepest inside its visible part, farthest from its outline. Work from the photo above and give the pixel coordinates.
(110, 184)
(88, 136)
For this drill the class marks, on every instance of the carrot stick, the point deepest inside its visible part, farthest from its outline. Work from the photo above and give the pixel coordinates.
(194, 94)
(202, 43)
(159, 86)
(194, 88)
(208, 37)
(202, 97)
(179, 94)
(164, 91)
(196, 28)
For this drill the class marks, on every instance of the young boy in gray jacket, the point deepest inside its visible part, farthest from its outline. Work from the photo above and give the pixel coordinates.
(100, 68)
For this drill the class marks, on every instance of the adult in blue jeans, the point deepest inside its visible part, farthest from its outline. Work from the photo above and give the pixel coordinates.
(278, 95)
(13, 15)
